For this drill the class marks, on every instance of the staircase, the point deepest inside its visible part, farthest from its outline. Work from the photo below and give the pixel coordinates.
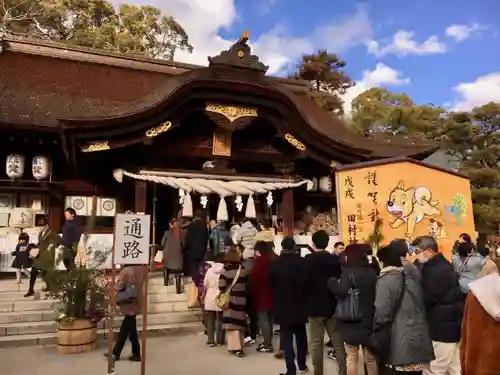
(28, 321)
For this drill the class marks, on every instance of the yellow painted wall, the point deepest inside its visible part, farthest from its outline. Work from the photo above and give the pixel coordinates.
(407, 197)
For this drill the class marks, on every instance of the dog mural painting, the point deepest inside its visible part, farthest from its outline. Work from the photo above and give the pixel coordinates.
(410, 199)
(409, 206)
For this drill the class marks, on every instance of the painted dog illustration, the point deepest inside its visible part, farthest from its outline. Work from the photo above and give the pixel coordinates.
(410, 206)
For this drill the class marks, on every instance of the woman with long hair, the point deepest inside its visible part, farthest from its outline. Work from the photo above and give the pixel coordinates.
(357, 275)
(233, 280)
(172, 254)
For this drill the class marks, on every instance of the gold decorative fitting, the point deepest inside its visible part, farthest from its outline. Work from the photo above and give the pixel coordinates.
(333, 163)
(96, 146)
(241, 54)
(157, 130)
(232, 113)
(294, 142)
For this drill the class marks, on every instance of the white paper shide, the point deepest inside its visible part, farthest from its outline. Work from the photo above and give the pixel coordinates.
(132, 239)
(14, 166)
(40, 167)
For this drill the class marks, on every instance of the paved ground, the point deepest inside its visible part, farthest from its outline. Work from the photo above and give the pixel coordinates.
(179, 355)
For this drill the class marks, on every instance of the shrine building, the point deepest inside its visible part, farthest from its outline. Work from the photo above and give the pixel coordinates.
(95, 130)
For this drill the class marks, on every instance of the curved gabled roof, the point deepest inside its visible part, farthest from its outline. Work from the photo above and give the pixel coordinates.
(235, 71)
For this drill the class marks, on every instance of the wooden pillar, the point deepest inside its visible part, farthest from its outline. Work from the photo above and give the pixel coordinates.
(288, 209)
(55, 212)
(288, 212)
(140, 197)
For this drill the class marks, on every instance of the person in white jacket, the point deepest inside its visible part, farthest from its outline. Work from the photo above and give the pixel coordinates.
(213, 313)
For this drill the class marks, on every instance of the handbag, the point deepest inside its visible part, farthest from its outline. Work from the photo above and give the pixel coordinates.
(159, 257)
(192, 294)
(379, 341)
(34, 252)
(126, 295)
(222, 300)
(348, 309)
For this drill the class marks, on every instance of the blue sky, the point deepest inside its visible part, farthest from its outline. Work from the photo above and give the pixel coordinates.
(442, 52)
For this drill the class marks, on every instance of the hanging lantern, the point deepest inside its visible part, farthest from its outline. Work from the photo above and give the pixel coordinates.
(40, 167)
(325, 184)
(14, 166)
(238, 201)
(204, 201)
(269, 199)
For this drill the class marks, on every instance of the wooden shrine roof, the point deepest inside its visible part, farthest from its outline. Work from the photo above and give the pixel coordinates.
(55, 86)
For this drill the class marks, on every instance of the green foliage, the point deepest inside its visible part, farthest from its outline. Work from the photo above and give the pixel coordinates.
(328, 80)
(376, 238)
(132, 29)
(378, 110)
(83, 293)
(473, 139)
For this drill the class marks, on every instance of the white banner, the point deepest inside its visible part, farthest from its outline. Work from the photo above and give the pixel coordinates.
(132, 234)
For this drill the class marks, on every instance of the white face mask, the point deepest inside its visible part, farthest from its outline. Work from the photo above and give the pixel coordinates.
(421, 258)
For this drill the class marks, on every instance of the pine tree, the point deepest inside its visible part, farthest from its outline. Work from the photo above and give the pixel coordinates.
(473, 139)
(325, 72)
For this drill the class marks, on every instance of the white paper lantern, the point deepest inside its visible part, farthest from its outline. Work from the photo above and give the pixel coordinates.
(325, 184)
(14, 166)
(40, 167)
(22, 217)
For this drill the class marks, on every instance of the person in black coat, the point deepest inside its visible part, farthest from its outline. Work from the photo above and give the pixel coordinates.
(288, 277)
(196, 243)
(444, 304)
(321, 304)
(357, 274)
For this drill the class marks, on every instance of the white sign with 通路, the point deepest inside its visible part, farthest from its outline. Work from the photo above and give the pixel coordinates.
(132, 234)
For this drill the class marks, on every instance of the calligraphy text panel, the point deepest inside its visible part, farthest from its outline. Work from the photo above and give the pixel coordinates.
(132, 234)
(410, 199)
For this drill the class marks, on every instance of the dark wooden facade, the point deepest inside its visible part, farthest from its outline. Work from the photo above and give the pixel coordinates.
(92, 112)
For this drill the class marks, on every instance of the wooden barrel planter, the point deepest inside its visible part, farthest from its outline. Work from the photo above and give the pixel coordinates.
(77, 336)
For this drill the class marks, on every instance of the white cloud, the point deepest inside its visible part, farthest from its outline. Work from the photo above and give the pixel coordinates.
(462, 32)
(382, 75)
(204, 20)
(483, 90)
(403, 43)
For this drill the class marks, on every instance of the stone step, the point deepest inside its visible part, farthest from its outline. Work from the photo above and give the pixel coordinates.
(43, 310)
(40, 327)
(51, 338)
(28, 305)
(27, 316)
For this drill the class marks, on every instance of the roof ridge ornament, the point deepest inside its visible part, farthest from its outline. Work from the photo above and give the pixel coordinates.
(239, 56)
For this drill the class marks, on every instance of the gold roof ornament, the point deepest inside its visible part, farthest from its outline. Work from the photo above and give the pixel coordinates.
(294, 142)
(96, 146)
(157, 130)
(231, 112)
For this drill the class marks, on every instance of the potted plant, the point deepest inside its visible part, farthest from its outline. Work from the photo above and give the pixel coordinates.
(83, 294)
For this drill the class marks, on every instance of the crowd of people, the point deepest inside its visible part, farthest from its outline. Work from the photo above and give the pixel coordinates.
(406, 310)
